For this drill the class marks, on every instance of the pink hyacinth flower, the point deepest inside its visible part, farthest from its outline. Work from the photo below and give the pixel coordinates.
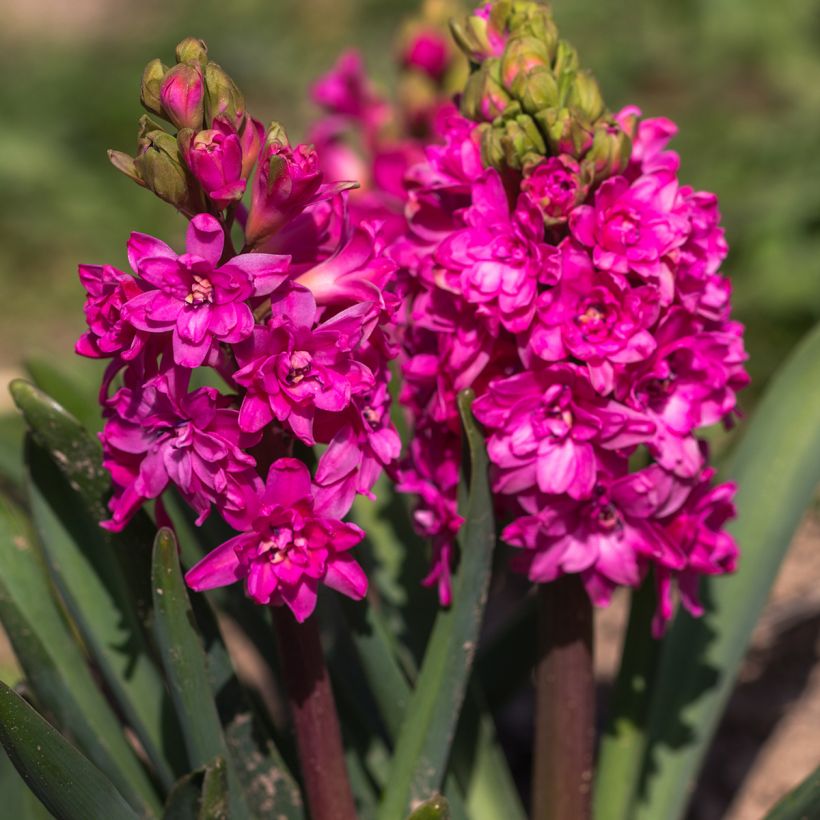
(291, 369)
(546, 428)
(192, 296)
(290, 548)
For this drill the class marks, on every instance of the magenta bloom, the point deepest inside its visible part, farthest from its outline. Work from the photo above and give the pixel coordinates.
(288, 180)
(291, 369)
(547, 427)
(499, 258)
(215, 159)
(428, 51)
(108, 290)
(290, 547)
(690, 381)
(158, 434)
(698, 532)
(594, 318)
(199, 301)
(633, 228)
(555, 187)
(607, 538)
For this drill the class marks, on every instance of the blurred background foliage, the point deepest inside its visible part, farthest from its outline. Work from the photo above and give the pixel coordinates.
(741, 78)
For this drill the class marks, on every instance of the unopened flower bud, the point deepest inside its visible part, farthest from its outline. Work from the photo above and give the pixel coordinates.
(512, 142)
(429, 52)
(533, 19)
(565, 132)
(610, 152)
(481, 35)
(566, 59)
(521, 56)
(192, 51)
(585, 95)
(484, 97)
(536, 90)
(160, 167)
(214, 157)
(285, 182)
(251, 137)
(224, 99)
(182, 95)
(152, 78)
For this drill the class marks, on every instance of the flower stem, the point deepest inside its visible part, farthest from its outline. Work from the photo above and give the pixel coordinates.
(315, 721)
(565, 703)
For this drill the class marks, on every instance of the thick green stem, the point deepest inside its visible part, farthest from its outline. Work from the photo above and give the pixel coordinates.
(565, 703)
(315, 721)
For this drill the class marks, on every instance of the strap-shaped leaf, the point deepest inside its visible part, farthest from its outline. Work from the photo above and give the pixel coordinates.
(777, 469)
(104, 579)
(19, 801)
(423, 744)
(186, 668)
(75, 388)
(802, 803)
(53, 663)
(70, 786)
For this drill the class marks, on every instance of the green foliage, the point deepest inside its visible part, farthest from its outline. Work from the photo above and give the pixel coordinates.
(77, 600)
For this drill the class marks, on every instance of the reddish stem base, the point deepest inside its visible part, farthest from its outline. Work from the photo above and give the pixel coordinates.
(565, 703)
(315, 721)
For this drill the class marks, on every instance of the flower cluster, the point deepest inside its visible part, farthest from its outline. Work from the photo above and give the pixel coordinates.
(557, 266)
(293, 329)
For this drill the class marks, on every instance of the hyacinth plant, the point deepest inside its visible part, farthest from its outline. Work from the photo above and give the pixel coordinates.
(512, 276)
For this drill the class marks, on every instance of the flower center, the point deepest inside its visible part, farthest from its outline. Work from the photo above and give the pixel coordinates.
(201, 291)
(300, 363)
(280, 543)
(371, 416)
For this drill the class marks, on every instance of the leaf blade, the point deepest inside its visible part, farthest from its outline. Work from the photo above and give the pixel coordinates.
(777, 470)
(423, 744)
(69, 785)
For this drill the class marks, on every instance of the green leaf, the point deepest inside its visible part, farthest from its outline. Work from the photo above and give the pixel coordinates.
(12, 429)
(103, 578)
(53, 663)
(186, 668)
(623, 744)
(214, 803)
(435, 808)
(777, 469)
(802, 803)
(423, 744)
(185, 796)
(19, 802)
(74, 388)
(70, 786)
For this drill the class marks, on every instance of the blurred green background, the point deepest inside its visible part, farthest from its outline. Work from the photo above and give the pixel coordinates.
(741, 77)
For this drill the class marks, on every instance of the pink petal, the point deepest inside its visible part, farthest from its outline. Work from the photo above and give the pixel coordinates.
(288, 482)
(218, 568)
(205, 238)
(346, 576)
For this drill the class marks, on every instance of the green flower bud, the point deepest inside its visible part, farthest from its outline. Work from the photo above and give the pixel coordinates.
(585, 95)
(512, 143)
(484, 97)
(536, 90)
(192, 50)
(521, 56)
(610, 152)
(566, 59)
(534, 20)
(152, 78)
(566, 133)
(222, 97)
(160, 166)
